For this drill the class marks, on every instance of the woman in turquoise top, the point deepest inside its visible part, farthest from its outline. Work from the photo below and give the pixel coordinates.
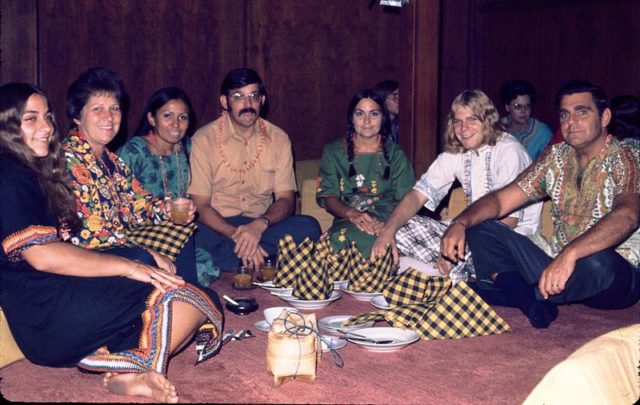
(158, 155)
(364, 176)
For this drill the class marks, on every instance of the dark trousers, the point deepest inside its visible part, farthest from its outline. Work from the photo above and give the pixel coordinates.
(221, 247)
(497, 249)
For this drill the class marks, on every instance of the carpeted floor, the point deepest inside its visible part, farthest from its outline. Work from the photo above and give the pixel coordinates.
(483, 370)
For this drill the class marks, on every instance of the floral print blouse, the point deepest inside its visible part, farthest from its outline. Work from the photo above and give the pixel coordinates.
(109, 198)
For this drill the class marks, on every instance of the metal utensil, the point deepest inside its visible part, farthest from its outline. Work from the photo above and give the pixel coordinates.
(355, 336)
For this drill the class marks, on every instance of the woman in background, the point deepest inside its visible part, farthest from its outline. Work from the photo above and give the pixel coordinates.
(158, 155)
(389, 91)
(362, 176)
(113, 312)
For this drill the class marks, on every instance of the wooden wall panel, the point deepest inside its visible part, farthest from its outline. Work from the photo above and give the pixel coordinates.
(18, 41)
(188, 43)
(313, 56)
(546, 42)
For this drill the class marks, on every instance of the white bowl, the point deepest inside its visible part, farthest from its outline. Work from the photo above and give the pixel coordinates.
(310, 304)
(363, 296)
(272, 313)
(340, 285)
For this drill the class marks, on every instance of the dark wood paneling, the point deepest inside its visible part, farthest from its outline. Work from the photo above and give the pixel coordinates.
(545, 42)
(18, 41)
(418, 121)
(313, 56)
(188, 43)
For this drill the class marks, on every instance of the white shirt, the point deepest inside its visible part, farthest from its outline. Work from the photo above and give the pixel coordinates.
(480, 172)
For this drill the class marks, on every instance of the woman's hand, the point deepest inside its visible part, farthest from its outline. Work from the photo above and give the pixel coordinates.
(443, 265)
(160, 279)
(182, 211)
(163, 262)
(364, 222)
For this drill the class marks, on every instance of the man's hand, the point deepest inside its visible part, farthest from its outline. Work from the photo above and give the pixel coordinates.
(554, 278)
(453, 242)
(443, 265)
(247, 239)
(383, 240)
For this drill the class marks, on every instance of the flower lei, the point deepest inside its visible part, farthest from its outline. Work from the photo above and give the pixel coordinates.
(223, 156)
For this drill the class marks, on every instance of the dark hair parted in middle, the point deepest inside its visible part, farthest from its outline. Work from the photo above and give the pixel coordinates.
(97, 80)
(384, 128)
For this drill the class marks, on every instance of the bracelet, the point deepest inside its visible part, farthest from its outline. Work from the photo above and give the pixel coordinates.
(265, 219)
(457, 221)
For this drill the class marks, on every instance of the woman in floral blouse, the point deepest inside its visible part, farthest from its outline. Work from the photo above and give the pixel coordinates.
(110, 200)
(364, 176)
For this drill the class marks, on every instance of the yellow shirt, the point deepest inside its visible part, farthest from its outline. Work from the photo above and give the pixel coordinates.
(240, 176)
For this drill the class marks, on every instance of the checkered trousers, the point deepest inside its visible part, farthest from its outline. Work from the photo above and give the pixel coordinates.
(435, 308)
(420, 239)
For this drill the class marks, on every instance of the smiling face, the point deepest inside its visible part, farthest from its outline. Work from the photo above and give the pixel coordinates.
(367, 119)
(37, 125)
(100, 120)
(467, 128)
(582, 125)
(170, 122)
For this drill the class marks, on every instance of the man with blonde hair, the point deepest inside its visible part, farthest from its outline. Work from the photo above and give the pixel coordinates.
(482, 159)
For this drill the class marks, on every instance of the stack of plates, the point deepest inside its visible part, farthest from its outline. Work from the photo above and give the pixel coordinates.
(310, 304)
(331, 324)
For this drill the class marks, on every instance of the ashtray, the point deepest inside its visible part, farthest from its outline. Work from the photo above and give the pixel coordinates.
(245, 305)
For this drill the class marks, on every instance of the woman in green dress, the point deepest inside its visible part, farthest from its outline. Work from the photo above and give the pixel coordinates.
(364, 176)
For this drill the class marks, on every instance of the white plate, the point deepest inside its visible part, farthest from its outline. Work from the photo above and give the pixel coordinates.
(268, 285)
(331, 324)
(363, 296)
(334, 341)
(401, 337)
(310, 304)
(340, 285)
(263, 326)
(380, 302)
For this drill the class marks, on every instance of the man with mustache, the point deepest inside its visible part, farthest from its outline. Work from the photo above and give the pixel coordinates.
(242, 179)
(593, 256)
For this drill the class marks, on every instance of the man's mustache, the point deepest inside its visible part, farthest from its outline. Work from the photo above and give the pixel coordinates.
(248, 110)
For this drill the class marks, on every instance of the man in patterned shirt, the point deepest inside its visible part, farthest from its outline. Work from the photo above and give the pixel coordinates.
(594, 184)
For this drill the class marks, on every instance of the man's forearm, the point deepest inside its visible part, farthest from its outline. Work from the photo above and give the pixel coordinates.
(279, 210)
(214, 220)
(407, 208)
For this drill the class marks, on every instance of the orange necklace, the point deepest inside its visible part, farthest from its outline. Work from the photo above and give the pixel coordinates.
(223, 156)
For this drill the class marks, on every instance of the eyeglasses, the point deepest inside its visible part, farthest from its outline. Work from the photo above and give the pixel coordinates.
(393, 96)
(238, 97)
(521, 107)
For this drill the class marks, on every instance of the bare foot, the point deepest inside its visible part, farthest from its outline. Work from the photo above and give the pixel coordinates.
(151, 385)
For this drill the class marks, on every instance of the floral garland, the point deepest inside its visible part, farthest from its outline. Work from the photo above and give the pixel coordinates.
(223, 156)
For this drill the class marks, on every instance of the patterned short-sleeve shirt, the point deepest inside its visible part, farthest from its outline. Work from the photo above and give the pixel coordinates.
(576, 209)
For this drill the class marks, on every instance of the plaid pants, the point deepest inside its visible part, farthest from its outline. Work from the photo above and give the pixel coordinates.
(420, 239)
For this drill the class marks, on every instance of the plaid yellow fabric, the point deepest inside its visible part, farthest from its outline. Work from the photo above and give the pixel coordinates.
(435, 309)
(292, 259)
(167, 238)
(313, 282)
(369, 275)
(336, 262)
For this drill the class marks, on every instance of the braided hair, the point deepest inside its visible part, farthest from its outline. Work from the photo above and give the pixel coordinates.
(384, 129)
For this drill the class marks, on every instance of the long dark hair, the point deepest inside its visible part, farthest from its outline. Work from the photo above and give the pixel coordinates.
(156, 101)
(51, 170)
(384, 128)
